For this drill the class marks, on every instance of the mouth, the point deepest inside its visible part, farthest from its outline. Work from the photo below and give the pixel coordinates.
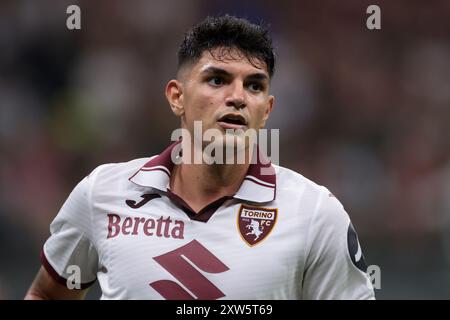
(232, 121)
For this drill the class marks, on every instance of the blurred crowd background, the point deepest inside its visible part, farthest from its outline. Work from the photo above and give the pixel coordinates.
(365, 113)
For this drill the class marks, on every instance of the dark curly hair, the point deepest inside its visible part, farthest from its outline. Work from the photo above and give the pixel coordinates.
(253, 40)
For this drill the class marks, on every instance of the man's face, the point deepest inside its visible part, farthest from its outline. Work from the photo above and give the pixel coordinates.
(228, 92)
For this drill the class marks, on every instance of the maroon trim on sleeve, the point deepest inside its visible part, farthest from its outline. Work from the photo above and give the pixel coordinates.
(55, 274)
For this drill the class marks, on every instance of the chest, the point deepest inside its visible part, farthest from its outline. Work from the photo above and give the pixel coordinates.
(151, 249)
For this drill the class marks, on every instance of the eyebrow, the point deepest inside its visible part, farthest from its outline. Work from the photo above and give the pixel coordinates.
(218, 71)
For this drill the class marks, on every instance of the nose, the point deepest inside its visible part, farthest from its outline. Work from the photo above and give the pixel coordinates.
(236, 97)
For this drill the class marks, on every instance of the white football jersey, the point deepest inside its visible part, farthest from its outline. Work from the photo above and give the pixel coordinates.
(280, 236)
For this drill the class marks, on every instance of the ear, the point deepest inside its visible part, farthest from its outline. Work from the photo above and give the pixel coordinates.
(269, 107)
(174, 94)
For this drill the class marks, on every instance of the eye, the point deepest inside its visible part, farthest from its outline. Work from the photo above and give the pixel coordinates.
(215, 81)
(256, 87)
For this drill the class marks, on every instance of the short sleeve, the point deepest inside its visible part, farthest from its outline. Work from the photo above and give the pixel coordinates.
(69, 246)
(335, 267)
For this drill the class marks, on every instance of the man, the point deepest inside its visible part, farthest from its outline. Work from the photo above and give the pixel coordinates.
(155, 229)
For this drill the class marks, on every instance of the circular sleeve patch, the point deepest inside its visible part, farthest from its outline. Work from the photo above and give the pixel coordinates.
(354, 249)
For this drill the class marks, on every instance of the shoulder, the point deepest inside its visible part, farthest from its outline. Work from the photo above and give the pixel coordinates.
(321, 201)
(291, 181)
(115, 174)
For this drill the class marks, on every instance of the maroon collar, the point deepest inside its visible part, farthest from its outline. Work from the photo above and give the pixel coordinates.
(258, 186)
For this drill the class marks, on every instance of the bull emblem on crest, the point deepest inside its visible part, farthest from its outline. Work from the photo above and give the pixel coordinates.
(255, 223)
(256, 231)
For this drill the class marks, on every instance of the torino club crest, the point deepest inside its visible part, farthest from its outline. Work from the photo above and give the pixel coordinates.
(255, 223)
